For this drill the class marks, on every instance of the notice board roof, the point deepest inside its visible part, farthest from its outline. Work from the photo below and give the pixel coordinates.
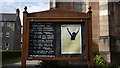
(58, 13)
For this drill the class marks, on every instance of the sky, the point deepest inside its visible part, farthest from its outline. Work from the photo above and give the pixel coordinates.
(10, 6)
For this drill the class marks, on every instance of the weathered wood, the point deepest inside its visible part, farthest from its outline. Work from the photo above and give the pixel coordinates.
(90, 38)
(23, 61)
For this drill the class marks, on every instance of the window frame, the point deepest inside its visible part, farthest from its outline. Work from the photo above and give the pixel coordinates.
(7, 47)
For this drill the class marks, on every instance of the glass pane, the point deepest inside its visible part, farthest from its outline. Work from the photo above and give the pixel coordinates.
(2, 24)
(8, 24)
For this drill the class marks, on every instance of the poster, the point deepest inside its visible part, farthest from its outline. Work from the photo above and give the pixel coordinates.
(41, 40)
(71, 39)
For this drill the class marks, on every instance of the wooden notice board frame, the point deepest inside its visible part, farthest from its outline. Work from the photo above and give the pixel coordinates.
(58, 16)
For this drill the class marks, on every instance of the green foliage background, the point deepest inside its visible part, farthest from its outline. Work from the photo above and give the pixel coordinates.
(99, 62)
(10, 56)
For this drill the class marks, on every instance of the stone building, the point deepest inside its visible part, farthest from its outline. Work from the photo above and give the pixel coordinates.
(10, 31)
(105, 25)
(109, 46)
(104, 46)
(114, 31)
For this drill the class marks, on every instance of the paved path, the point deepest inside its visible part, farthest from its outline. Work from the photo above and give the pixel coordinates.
(29, 64)
(34, 64)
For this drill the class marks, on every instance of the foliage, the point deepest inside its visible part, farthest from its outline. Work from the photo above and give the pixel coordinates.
(99, 62)
(10, 56)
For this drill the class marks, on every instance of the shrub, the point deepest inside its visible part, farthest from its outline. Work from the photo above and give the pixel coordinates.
(10, 54)
(99, 62)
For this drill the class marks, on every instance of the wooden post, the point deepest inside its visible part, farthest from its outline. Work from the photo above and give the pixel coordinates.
(23, 62)
(90, 38)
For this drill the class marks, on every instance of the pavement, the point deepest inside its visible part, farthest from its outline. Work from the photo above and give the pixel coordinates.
(29, 64)
(36, 64)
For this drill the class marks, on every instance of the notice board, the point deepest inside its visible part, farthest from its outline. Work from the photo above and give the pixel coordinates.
(57, 35)
(50, 39)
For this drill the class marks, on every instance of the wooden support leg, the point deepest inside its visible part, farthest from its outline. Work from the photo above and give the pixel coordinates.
(23, 64)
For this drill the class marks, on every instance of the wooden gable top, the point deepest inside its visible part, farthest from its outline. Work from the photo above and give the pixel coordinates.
(57, 13)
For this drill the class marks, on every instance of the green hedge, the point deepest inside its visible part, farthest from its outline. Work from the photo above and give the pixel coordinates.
(9, 54)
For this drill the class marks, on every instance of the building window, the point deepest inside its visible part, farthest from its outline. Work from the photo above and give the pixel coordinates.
(1, 34)
(2, 24)
(7, 46)
(8, 24)
(7, 34)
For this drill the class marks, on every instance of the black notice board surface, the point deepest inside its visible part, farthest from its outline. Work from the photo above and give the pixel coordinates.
(41, 40)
